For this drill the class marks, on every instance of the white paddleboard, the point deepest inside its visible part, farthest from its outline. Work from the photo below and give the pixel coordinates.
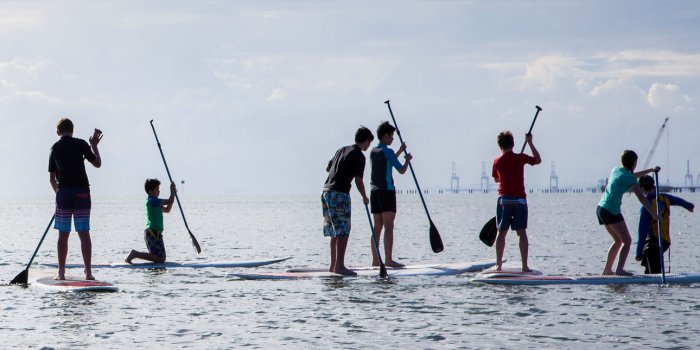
(586, 279)
(170, 264)
(409, 271)
(74, 284)
(475, 266)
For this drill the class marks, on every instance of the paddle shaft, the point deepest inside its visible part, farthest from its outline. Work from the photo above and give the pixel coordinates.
(658, 228)
(167, 170)
(382, 268)
(410, 166)
(41, 241)
(531, 126)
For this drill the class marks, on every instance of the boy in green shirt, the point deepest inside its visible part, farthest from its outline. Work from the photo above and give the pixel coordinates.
(153, 235)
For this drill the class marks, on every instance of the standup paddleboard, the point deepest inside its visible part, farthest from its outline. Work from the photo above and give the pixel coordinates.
(585, 279)
(172, 265)
(74, 284)
(475, 266)
(408, 271)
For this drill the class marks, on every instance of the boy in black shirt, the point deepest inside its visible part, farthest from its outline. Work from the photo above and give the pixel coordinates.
(347, 164)
(70, 182)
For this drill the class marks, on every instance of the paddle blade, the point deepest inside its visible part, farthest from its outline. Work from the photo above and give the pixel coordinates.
(21, 278)
(382, 271)
(488, 232)
(435, 240)
(195, 244)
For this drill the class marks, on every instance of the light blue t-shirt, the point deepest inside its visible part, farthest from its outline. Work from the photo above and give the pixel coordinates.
(621, 180)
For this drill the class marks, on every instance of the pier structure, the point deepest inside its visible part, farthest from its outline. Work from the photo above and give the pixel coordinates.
(553, 181)
(484, 178)
(689, 176)
(454, 181)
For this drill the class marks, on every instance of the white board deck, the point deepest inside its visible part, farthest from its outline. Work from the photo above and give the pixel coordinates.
(586, 279)
(475, 266)
(172, 265)
(408, 271)
(74, 284)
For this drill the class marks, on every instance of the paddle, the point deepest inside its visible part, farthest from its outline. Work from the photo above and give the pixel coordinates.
(195, 244)
(490, 229)
(658, 228)
(23, 276)
(435, 240)
(382, 268)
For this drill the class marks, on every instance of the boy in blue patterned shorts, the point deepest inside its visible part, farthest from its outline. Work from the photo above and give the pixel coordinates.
(153, 235)
(347, 164)
(70, 183)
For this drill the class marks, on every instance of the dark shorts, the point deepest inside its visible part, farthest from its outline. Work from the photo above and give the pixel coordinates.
(607, 218)
(72, 203)
(511, 212)
(382, 201)
(154, 242)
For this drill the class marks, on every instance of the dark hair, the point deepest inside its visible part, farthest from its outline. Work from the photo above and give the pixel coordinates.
(363, 134)
(646, 182)
(64, 126)
(628, 159)
(384, 128)
(505, 140)
(151, 184)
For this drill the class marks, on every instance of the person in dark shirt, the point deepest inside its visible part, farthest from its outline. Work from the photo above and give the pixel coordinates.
(70, 183)
(511, 208)
(347, 164)
(383, 193)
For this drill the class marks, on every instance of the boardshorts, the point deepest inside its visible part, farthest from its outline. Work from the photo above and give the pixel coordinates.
(382, 201)
(72, 203)
(511, 212)
(336, 214)
(607, 218)
(154, 242)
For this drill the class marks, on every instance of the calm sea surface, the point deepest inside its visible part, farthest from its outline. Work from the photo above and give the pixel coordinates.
(203, 309)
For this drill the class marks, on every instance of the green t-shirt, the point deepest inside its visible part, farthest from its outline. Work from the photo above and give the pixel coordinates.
(154, 213)
(621, 180)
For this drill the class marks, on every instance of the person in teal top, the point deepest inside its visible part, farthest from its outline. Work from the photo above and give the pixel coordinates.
(153, 235)
(622, 179)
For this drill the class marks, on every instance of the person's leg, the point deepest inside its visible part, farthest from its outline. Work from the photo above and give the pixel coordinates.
(134, 254)
(340, 260)
(334, 257)
(86, 249)
(500, 247)
(388, 218)
(378, 225)
(62, 249)
(652, 260)
(523, 244)
(626, 240)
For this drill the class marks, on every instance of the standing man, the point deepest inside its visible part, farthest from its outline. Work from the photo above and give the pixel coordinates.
(347, 164)
(70, 183)
(511, 209)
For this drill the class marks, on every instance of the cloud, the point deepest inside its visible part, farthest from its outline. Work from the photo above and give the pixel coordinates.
(668, 97)
(277, 94)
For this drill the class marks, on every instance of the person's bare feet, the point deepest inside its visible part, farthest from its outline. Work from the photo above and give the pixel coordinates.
(89, 277)
(607, 273)
(526, 269)
(394, 264)
(345, 271)
(624, 273)
(60, 277)
(130, 257)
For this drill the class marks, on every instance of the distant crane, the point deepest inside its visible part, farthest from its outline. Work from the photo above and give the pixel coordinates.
(688, 177)
(454, 181)
(553, 181)
(656, 143)
(484, 178)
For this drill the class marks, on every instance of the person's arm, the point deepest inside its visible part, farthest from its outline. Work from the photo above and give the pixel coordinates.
(94, 140)
(53, 181)
(168, 203)
(645, 203)
(328, 167)
(535, 153)
(642, 232)
(494, 173)
(680, 202)
(360, 184)
(402, 149)
(647, 171)
(403, 168)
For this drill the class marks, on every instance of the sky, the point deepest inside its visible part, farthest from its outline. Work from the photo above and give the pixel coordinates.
(252, 97)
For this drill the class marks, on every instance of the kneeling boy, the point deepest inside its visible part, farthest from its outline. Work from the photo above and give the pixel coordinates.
(153, 235)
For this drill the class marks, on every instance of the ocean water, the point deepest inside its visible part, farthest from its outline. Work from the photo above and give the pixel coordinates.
(205, 309)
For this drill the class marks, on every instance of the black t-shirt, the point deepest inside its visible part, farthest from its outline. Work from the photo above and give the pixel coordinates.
(67, 161)
(348, 163)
